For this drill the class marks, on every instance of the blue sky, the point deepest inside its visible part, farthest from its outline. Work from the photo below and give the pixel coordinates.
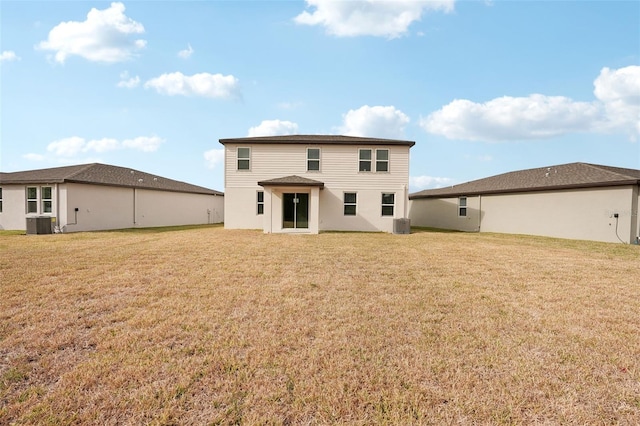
(483, 87)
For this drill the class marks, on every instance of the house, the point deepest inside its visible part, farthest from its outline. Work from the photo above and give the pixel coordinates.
(312, 183)
(575, 201)
(97, 196)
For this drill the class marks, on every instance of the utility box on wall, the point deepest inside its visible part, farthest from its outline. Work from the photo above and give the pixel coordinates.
(40, 225)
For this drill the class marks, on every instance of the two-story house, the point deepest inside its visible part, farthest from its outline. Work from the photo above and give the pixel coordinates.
(311, 183)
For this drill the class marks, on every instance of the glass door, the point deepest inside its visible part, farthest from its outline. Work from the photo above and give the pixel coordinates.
(295, 210)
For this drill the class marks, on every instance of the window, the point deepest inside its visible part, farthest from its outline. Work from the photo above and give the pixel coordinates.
(0, 200)
(462, 206)
(365, 160)
(382, 160)
(388, 201)
(260, 202)
(45, 195)
(244, 158)
(313, 159)
(350, 199)
(32, 199)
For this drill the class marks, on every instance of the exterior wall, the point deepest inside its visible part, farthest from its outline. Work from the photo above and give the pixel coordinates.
(107, 207)
(339, 173)
(585, 214)
(443, 213)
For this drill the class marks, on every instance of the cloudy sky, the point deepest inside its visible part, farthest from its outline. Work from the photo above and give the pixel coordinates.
(483, 87)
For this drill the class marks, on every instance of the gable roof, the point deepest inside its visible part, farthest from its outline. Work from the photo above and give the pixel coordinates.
(102, 174)
(317, 140)
(565, 176)
(291, 181)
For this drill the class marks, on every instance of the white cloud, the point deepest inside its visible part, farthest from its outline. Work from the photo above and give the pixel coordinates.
(376, 121)
(537, 116)
(186, 53)
(143, 143)
(619, 91)
(369, 17)
(417, 183)
(34, 157)
(214, 157)
(105, 36)
(8, 56)
(128, 82)
(203, 84)
(273, 128)
(74, 145)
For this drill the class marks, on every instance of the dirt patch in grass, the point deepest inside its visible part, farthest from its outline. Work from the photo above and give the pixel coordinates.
(211, 326)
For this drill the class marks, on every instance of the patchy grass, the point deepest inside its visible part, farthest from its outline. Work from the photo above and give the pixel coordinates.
(207, 326)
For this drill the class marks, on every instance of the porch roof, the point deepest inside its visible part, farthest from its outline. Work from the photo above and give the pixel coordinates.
(291, 181)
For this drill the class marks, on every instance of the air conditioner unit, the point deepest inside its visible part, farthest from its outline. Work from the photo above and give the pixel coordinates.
(401, 226)
(40, 225)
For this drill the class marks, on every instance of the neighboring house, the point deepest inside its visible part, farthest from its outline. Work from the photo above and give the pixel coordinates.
(96, 196)
(575, 201)
(311, 183)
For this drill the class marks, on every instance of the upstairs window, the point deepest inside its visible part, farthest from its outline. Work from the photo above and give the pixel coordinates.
(260, 202)
(244, 158)
(313, 159)
(32, 199)
(382, 160)
(350, 199)
(388, 202)
(462, 206)
(47, 203)
(365, 160)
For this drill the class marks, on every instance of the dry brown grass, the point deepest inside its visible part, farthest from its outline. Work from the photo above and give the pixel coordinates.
(207, 326)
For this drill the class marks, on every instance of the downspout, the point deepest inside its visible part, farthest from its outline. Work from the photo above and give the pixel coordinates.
(479, 213)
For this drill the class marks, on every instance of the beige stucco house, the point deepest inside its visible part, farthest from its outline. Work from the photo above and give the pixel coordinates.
(574, 201)
(96, 196)
(311, 183)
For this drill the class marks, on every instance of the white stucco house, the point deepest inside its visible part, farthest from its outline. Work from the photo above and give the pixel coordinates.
(312, 183)
(575, 201)
(92, 197)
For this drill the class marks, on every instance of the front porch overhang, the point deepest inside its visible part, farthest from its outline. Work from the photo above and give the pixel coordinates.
(292, 181)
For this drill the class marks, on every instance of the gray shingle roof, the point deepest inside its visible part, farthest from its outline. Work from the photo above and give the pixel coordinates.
(318, 139)
(565, 176)
(102, 174)
(291, 181)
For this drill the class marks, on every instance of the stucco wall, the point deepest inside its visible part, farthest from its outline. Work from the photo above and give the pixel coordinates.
(586, 214)
(106, 207)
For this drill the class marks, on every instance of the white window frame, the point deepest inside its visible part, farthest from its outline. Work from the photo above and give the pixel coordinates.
(346, 204)
(309, 160)
(31, 201)
(247, 159)
(0, 199)
(462, 207)
(259, 203)
(387, 205)
(44, 207)
(360, 160)
(380, 162)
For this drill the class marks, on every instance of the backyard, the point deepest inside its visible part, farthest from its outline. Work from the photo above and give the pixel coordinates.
(201, 325)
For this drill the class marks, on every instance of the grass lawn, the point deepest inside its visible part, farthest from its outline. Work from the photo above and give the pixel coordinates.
(207, 326)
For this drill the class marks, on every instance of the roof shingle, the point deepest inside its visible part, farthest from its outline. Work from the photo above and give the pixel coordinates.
(565, 176)
(103, 174)
(318, 139)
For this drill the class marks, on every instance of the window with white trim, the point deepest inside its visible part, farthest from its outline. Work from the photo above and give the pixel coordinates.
(462, 206)
(350, 202)
(46, 199)
(388, 203)
(244, 158)
(32, 199)
(313, 159)
(382, 160)
(364, 156)
(0, 200)
(260, 202)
